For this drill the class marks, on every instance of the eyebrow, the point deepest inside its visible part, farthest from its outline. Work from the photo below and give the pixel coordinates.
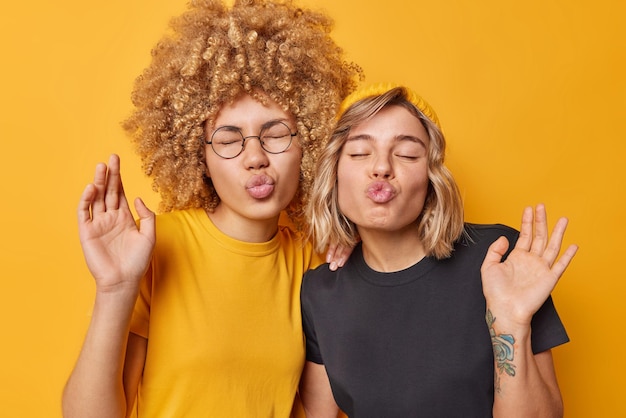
(265, 125)
(397, 138)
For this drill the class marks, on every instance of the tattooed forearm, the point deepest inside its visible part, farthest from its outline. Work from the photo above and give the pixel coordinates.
(503, 351)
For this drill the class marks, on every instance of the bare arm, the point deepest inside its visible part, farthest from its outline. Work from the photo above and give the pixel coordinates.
(117, 254)
(317, 397)
(109, 367)
(525, 384)
(133, 367)
(532, 389)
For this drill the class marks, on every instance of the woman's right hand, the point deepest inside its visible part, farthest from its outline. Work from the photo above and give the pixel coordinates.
(117, 252)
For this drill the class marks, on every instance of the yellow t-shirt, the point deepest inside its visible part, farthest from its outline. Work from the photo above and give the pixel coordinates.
(222, 319)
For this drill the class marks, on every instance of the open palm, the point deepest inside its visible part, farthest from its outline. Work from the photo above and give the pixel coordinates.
(117, 252)
(522, 283)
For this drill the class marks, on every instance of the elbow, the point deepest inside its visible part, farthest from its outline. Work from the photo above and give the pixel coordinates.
(558, 407)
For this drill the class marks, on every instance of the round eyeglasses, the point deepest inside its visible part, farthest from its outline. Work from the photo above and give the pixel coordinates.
(228, 141)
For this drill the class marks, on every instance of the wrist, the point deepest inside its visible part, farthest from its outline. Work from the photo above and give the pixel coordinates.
(508, 339)
(502, 324)
(510, 317)
(119, 295)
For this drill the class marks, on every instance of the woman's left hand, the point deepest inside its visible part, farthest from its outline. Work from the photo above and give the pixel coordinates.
(517, 287)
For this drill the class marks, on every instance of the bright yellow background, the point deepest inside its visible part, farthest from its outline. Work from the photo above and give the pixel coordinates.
(532, 96)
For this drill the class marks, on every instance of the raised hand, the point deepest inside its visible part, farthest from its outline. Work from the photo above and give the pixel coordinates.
(117, 252)
(516, 288)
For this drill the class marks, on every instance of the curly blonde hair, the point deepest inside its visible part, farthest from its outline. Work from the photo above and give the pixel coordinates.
(439, 225)
(215, 53)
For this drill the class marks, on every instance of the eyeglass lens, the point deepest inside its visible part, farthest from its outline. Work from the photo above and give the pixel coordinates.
(228, 141)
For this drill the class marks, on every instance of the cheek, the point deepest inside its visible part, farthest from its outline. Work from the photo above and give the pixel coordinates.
(421, 186)
(420, 179)
(342, 176)
(292, 165)
(346, 187)
(291, 173)
(210, 160)
(221, 172)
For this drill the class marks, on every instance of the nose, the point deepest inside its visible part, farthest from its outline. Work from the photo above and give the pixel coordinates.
(381, 167)
(254, 155)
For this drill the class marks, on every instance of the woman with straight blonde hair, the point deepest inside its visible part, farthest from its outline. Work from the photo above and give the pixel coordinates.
(430, 316)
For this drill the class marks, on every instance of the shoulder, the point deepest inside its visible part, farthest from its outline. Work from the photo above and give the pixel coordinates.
(179, 224)
(320, 290)
(487, 233)
(178, 216)
(321, 273)
(288, 234)
(477, 238)
(294, 242)
(318, 278)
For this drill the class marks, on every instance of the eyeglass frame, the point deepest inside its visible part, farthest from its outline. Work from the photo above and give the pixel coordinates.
(243, 138)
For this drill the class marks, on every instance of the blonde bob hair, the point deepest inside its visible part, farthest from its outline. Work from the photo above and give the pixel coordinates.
(214, 53)
(441, 222)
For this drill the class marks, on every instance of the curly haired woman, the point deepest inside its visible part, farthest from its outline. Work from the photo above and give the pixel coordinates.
(197, 309)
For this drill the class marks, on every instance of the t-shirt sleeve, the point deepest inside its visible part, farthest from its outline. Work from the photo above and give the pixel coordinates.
(140, 322)
(315, 259)
(312, 348)
(547, 330)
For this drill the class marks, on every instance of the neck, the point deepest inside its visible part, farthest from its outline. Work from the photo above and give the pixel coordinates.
(391, 251)
(244, 229)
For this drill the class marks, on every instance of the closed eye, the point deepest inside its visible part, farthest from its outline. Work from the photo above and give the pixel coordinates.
(408, 157)
(358, 147)
(409, 148)
(227, 141)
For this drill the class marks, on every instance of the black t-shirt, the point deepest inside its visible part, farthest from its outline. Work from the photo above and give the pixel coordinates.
(412, 343)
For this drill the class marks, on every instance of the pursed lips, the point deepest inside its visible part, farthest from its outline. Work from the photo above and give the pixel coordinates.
(380, 191)
(260, 186)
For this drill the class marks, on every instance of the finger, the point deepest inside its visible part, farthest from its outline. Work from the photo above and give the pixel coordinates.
(146, 219)
(99, 182)
(526, 231)
(113, 184)
(561, 264)
(337, 255)
(344, 254)
(556, 240)
(84, 204)
(495, 252)
(330, 253)
(540, 236)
